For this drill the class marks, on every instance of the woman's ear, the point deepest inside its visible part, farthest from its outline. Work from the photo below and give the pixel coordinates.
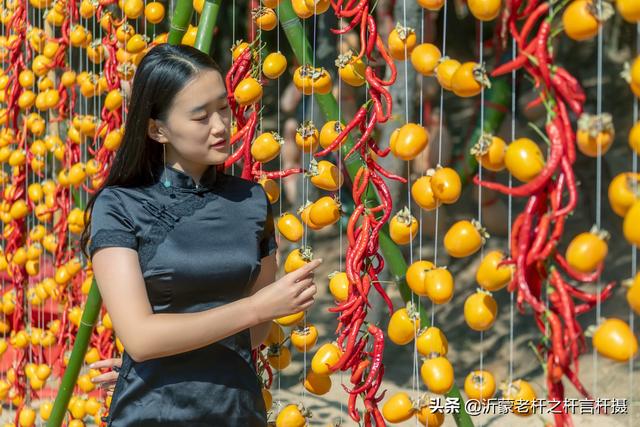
(156, 131)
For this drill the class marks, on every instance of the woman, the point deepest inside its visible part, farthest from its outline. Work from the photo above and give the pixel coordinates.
(184, 255)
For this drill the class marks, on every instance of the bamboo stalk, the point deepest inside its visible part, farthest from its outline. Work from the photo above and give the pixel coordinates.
(87, 322)
(180, 21)
(394, 259)
(207, 24)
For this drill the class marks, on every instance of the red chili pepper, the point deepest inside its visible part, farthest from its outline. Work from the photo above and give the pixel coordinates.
(515, 64)
(356, 355)
(373, 34)
(356, 375)
(541, 179)
(353, 300)
(540, 240)
(350, 12)
(363, 139)
(523, 246)
(569, 135)
(567, 312)
(354, 21)
(374, 83)
(531, 21)
(388, 60)
(363, 32)
(374, 165)
(569, 96)
(604, 294)
(353, 412)
(283, 173)
(360, 116)
(362, 185)
(351, 341)
(571, 188)
(577, 275)
(556, 339)
(576, 383)
(378, 347)
(542, 52)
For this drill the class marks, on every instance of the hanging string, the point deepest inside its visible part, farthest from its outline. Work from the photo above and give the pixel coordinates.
(598, 187)
(440, 132)
(340, 224)
(420, 225)
(280, 156)
(233, 41)
(415, 371)
(510, 209)
(634, 250)
(481, 63)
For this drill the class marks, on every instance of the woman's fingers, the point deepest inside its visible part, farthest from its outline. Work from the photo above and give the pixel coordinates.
(303, 285)
(107, 377)
(107, 363)
(308, 293)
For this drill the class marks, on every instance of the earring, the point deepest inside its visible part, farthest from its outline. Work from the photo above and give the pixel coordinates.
(166, 181)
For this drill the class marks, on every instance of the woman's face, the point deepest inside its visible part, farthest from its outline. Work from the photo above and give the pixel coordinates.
(196, 129)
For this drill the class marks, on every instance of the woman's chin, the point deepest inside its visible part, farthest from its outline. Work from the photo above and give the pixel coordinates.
(217, 157)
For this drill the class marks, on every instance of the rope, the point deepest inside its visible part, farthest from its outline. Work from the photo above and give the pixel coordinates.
(510, 210)
(598, 188)
(634, 250)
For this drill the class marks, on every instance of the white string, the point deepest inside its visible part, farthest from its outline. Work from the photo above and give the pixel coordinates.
(510, 210)
(420, 224)
(415, 375)
(440, 127)
(233, 40)
(481, 62)
(634, 250)
(340, 173)
(598, 187)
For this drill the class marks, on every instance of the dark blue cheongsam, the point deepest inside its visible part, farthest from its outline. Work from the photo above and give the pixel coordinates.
(200, 247)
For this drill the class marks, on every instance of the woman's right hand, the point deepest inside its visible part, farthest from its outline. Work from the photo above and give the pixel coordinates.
(292, 293)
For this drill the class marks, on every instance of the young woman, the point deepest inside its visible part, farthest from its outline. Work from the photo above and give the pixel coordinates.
(184, 255)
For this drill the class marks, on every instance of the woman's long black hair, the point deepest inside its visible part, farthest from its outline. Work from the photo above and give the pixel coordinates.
(161, 74)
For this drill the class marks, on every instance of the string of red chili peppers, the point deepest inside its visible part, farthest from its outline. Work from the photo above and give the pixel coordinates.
(363, 261)
(246, 127)
(15, 238)
(537, 231)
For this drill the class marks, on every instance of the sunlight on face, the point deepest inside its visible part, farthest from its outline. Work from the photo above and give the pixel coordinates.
(198, 123)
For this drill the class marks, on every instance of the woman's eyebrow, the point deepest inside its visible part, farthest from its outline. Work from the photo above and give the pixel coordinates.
(220, 97)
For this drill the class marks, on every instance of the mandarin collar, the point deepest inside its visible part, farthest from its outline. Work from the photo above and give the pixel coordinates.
(182, 180)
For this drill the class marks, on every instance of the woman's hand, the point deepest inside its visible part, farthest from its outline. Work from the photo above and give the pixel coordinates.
(108, 379)
(293, 293)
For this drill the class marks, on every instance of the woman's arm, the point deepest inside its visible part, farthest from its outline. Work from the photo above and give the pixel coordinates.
(146, 335)
(267, 275)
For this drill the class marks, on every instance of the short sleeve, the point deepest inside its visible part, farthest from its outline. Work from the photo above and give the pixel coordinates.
(111, 226)
(268, 244)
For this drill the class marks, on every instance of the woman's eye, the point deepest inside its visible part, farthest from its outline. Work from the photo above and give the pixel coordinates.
(202, 118)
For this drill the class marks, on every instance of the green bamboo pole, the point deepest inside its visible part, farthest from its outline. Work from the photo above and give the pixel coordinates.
(207, 24)
(87, 322)
(394, 259)
(180, 21)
